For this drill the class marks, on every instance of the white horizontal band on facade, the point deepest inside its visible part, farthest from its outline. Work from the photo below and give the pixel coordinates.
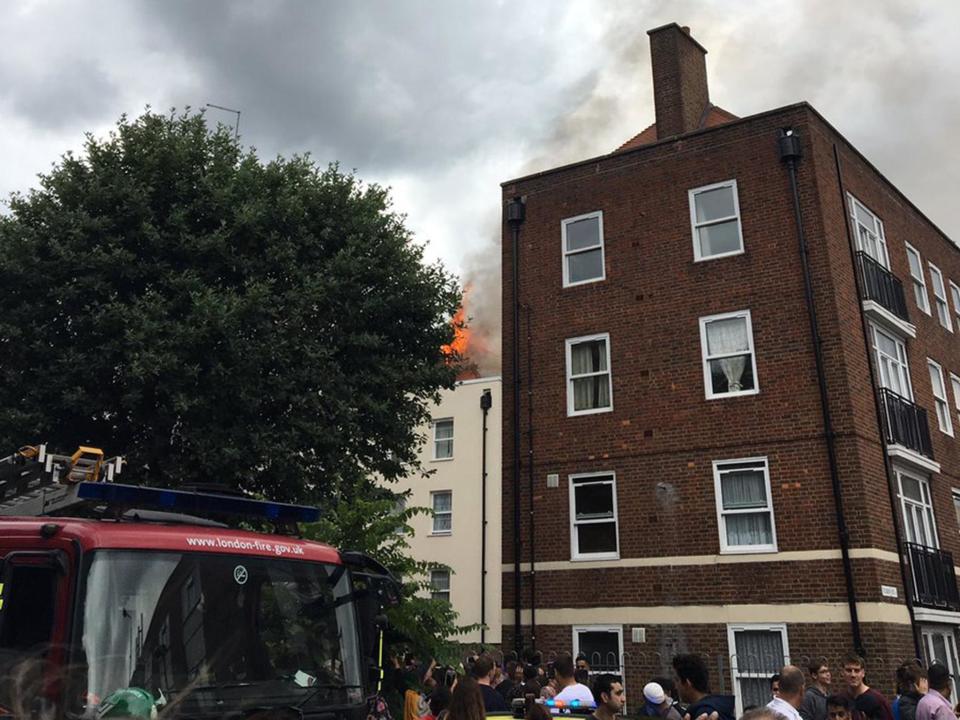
(731, 559)
(790, 613)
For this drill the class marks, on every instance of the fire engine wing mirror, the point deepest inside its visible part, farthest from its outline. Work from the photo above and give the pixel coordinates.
(375, 576)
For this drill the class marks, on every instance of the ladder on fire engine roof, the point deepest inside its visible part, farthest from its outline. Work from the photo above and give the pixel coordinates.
(34, 482)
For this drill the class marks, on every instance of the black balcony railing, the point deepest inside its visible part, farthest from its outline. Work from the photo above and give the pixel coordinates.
(881, 286)
(934, 579)
(905, 423)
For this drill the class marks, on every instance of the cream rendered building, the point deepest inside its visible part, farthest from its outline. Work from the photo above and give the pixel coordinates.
(454, 452)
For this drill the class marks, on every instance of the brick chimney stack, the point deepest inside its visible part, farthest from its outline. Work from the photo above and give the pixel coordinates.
(679, 80)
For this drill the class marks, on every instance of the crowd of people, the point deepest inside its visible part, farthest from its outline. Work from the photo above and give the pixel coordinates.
(922, 694)
(482, 686)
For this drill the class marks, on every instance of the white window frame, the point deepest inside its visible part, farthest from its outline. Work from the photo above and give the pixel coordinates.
(955, 496)
(434, 591)
(618, 629)
(735, 674)
(950, 642)
(941, 401)
(569, 343)
(955, 387)
(705, 359)
(575, 553)
(436, 440)
(718, 469)
(881, 238)
(918, 281)
(695, 226)
(927, 515)
(955, 296)
(399, 508)
(567, 253)
(433, 505)
(902, 363)
(940, 297)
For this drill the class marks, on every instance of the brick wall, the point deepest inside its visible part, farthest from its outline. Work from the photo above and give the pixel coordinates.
(663, 435)
(828, 642)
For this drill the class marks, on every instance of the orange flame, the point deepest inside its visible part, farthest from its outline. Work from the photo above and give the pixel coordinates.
(461, 334)
(462, 339)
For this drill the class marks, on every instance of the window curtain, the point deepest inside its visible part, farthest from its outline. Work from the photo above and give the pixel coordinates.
(590, 392)
(589, 357)
(443, 437)
(749, 529)
(755, 691)
(726, 337)
(759, 651)
(441, 580)
(743, 489)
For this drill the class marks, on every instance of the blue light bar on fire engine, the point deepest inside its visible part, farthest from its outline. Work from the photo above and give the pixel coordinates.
(193, 503)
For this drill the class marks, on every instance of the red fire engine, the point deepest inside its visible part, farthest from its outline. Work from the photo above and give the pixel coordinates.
(119, 600)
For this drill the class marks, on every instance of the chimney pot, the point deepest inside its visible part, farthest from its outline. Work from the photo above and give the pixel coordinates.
(680, 93)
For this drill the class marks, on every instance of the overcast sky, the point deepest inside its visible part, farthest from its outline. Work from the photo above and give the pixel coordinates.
(444, 100)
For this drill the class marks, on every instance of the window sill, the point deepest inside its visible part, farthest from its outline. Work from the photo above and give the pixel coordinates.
(584, 282)
(441, 459)
(719, 256)
(742, 393)
(597, 411)
(595, 556)
(749, 550)
(448, 533)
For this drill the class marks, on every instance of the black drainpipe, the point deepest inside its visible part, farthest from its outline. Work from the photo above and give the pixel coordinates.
(515, 216)
(533, 567)
(790, 146)
(486, 402)
(894, 504)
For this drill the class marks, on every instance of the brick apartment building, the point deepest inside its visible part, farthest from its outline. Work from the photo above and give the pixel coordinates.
(695, 472)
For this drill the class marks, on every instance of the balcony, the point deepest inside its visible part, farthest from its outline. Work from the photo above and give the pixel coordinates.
(934, 579)
(883, 296)
(906, 430)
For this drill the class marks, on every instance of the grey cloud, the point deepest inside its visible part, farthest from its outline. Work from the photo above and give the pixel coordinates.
(379, 85)
(407, 89)
(59, 95)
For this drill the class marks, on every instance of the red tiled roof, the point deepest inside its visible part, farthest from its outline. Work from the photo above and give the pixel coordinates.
(713, 116)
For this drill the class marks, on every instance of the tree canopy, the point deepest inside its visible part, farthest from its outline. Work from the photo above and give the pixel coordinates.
(217, 318)
(372, 523)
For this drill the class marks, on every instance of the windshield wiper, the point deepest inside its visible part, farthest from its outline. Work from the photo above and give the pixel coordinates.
(219, 686)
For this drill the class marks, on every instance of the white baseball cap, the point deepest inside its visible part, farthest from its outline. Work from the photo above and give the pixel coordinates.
(653, 692)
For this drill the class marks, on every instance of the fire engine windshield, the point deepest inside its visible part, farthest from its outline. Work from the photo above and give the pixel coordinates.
(218, 631)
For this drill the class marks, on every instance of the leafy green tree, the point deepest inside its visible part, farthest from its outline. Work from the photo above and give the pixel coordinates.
(372, 522)
(167, 295)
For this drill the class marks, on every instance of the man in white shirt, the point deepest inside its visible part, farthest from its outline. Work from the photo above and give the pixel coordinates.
(570, 689)
(786, 701)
